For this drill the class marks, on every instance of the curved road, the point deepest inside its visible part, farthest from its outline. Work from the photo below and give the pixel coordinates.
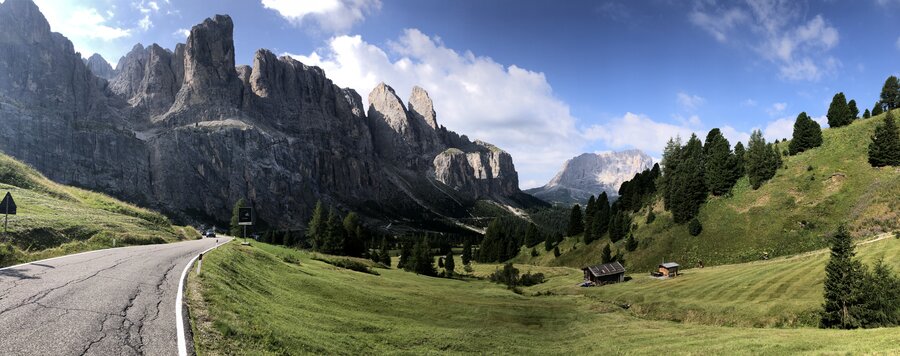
(109, 302)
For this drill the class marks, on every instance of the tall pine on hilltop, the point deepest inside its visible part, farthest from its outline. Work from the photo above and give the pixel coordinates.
(688, 185)
(761, 160)
(719, 163)
(576, 222)
(890, 93)
(740, 157)
(807, 134)
(885, 147)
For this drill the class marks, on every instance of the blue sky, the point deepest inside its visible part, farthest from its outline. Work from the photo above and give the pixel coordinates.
(547, 80)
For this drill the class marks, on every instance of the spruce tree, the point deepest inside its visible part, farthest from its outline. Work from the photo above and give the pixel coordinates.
(839, 112)
(353, 244)
(589, 211)
(884, 150)
(890, 93)
(854, 111)
(695, 227)
(385, 256)
(467, 251)
(423, 261)
(405, 256)
(882, 297)
(449, 264)
(600, 224)
(288, 239)
(316, 231)
(843, 284)
(740, 158)
(807, 134)
(671, 159)
(556, 251)
(689, 188)
(548, 242)
(606, 254)
(532, 235)
(878, 109)
(719, 163)
(334, 234)
(761, 165)
(235, 229)
(630, 243)
(867, 114)
(576, 224)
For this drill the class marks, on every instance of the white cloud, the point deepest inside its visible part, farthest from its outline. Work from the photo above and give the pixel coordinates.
(799, 51)
(145, 23)
(783, 128)
(749, 103)
(689, 102)
(637, 131)
(181, 33)
(331, 15)
(776, 109)
(509, 106)
(80, 22)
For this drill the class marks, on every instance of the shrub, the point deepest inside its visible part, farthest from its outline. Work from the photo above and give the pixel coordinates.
(534, 252)
(347, 263)
(509, 276)
(695, 227)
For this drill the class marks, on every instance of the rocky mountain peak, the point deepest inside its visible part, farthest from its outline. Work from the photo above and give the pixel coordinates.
(592, 173)
(100, 67)
(23, 19)
(422, 108)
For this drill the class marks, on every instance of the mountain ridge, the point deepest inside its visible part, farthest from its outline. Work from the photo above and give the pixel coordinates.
(591, 174)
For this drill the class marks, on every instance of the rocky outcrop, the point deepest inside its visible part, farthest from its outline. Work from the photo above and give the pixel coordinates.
(189, 133)
(593, 173)
(100, 67)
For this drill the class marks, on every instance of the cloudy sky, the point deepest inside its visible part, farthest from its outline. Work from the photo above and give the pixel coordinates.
(547, 80)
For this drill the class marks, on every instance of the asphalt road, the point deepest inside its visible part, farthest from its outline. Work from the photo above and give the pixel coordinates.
(109, 302)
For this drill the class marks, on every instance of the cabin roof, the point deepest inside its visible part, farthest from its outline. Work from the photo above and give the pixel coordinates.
(669, 265)
(605, 269)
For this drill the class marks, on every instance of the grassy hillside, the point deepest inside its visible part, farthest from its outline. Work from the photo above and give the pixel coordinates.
(54, 219)
(794, 212)
(271, 300)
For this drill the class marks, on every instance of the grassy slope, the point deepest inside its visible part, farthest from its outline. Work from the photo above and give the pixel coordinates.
(253, 302)
(54, 219)
(790, 214)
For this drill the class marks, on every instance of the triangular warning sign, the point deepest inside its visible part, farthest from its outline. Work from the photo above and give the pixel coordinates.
(8, 205)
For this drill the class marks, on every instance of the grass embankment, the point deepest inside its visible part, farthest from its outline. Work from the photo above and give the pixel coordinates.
(792, 213)
(54, 219)
(260, 300)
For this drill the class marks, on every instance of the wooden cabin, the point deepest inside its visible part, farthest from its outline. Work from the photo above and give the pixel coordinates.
(668, 269)
(606, 273)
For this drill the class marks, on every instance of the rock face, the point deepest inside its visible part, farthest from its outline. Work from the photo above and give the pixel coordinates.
(100, 67)
(187, 132)
(590, 174)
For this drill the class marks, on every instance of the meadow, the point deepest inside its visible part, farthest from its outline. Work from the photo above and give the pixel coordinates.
(270, 300)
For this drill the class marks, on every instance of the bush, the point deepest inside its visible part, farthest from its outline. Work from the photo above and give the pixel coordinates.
(534, 253)
(347, 263)
(528, 279)
(695, 227)
(509, 276)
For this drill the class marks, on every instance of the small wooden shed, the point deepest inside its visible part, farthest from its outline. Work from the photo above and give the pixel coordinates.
(606, 273)
(668, 269)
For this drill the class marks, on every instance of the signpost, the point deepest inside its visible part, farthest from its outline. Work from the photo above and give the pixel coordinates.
(7, 206)
(245, 218)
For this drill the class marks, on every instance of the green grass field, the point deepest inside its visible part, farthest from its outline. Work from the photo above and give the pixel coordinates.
(264, 299)
(55, 219)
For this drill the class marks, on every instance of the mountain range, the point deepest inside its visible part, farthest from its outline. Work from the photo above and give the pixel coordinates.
(591, 174)
(189, 132)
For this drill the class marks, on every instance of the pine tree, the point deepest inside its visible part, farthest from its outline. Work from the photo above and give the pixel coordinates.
(449, 264)
(882, 297)
(423, 261)
(890, 93)
(839, 112)
(548, 242)
(884, 150)
(854, 111)
(288, 239)
(600, 225)
(334, 234)
(695, 227)
(385, 256)
(576, 224)
(589, 211)
(441, 262)
(556, 251)
(878, 109)
(532, 236)
(843, 282)
(235, 229)
(630, 243)
(740, 158)
(689, 190)
(353, 244)
(761, 165)
(316, 231)
(606, 254)
(867, 114)
(467, 251)
(776, 156)
(405, 256)
(807, 134)
(671, 159)
(719, 163)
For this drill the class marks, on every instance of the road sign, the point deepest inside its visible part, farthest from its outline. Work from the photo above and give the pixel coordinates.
(8, 205)
(245, 216)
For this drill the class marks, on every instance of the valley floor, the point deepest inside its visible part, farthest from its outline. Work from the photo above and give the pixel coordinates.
(271, 300)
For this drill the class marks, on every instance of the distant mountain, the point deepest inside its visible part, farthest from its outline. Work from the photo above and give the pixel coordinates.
(592, 173)
(188, 132)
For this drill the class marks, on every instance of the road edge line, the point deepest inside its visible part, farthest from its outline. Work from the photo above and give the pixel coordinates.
(179, 302)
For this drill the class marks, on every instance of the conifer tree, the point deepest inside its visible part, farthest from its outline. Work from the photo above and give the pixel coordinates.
(854, 111)
(884, 150)
(353, 242)
(719, 163)
(688, 191)
(576, 224)
(630, 243)
(532, 236)
(839, 112)
(548, 242)
(867, 114)
(589, 211)
(776, 156)
(600, 225)
(423, 261)
(671, 159)
(695, 227)
(334, 234)
(882, 302)
(807, 134)
(878, 109)
(316, 231)
(405, 255)
(467, 251)
(843, 282)
(235, 229)
(761, 165)
(288, 239)
(890, 93)
(740, 158)
(556, 251)
(449, 264)
(606, 254)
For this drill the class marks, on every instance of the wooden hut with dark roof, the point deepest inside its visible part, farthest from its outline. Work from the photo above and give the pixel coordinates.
(606, 273)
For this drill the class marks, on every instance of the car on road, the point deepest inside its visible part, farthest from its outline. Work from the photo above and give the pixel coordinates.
(210, 233)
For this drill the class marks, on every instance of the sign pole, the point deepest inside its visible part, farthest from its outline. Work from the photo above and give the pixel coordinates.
(5, 222)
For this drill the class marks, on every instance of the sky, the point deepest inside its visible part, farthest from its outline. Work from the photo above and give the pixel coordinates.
(548, 80)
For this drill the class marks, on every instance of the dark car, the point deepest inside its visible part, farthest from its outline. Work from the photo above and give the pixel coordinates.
(210, 233)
